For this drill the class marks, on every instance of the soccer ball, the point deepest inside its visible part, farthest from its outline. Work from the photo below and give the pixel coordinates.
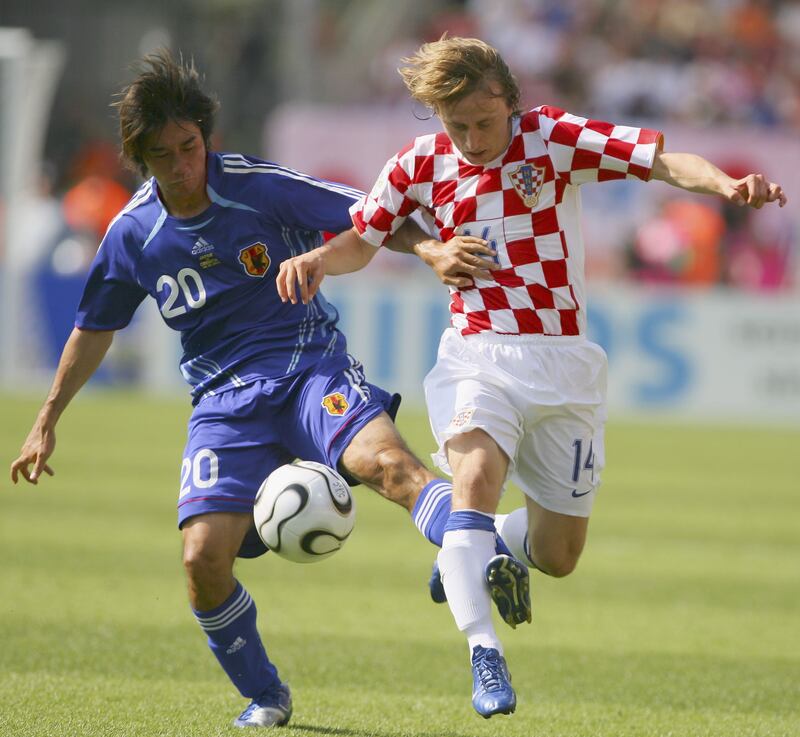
(304, 511)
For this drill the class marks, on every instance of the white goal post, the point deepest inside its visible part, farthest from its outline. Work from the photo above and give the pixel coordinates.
(29, 71)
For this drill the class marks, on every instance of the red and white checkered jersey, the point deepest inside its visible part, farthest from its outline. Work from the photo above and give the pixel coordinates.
(525, 203)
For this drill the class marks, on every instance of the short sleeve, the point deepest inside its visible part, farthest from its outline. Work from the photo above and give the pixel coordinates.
(308, 203)
(585, 150)
(379, 214)
(112, 293)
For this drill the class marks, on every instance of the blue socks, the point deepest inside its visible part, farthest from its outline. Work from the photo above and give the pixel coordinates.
(469, 519)
(432, 511)
(234, 640)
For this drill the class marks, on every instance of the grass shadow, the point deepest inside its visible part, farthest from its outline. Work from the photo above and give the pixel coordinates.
(344, 732)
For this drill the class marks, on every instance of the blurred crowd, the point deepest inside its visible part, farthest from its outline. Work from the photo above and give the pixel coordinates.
(704, 242)
(700, 61)
(695, 62)
(67, 214)
(731, 62)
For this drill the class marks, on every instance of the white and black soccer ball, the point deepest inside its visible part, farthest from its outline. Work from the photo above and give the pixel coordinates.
(304, 511)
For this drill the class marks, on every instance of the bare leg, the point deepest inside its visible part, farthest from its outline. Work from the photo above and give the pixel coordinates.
(226, 613)
(549, 541)
(210, 544)
(379, 457)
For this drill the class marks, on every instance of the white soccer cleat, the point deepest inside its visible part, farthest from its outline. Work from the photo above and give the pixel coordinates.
(272, 709)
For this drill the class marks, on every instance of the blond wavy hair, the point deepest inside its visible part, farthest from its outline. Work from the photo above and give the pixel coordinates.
(445, 71)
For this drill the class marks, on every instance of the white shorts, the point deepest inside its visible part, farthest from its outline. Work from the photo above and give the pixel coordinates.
(541, 398)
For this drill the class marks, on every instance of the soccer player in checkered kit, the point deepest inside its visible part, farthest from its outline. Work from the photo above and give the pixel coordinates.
(270, 381)
(517, 390)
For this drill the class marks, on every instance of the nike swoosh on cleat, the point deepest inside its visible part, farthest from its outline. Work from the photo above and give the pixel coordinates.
(582, 493)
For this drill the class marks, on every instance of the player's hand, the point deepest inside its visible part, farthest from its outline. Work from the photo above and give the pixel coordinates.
(754, 190)
(459, 261)
(38, 447)
(306, 271)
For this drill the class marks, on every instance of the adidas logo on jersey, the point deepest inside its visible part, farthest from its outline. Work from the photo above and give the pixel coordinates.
(201, 246)
(205, 253)
(237, 645)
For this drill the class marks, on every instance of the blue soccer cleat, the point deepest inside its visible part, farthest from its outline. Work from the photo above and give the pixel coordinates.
(435, 585)
(491, 683)
(509, 585)
(271, 709)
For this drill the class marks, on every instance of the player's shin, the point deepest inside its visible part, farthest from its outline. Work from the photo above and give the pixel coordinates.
(467, 547)
(234, 640)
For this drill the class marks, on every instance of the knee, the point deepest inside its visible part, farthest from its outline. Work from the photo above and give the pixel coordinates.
(558, 567)
(557, 563)
(473, 480)
(476, 487)
(202, 563)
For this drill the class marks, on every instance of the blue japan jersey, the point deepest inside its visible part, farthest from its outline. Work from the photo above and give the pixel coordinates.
(213, 275)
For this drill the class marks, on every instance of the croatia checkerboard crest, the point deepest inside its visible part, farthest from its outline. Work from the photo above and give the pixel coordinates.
(527, 180)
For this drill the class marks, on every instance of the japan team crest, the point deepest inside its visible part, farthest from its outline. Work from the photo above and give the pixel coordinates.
(528, 180)
(255, 259)
(335, 404)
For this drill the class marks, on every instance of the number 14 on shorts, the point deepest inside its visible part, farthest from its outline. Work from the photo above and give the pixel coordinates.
(581, 463)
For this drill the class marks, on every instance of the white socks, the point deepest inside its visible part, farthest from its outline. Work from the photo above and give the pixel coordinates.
(462, 561)
(513, 528)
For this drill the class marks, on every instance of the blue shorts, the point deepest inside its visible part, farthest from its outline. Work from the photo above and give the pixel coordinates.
(238, 437)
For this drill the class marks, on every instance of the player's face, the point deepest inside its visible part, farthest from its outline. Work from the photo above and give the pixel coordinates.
(176, 157)
(479, 125)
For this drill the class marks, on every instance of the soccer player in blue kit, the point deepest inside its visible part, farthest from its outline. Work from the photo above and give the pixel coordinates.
(271, 381)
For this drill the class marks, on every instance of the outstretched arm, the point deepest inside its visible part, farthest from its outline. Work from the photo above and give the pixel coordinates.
(342, 254)
(82, 355)
(456, 262)
(695, 174)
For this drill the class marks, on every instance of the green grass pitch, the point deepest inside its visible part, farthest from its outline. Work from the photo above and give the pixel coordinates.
(682, 619)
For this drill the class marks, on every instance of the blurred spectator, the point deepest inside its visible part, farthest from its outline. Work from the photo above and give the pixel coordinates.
(706, 243)
(680, 245)
(92, 203)
(40, 220)
(95, 193)
(758, 258)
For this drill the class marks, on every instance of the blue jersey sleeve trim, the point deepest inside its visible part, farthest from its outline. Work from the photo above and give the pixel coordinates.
(220, 200)
(233, 164)
(142, 195)
(159, 223)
